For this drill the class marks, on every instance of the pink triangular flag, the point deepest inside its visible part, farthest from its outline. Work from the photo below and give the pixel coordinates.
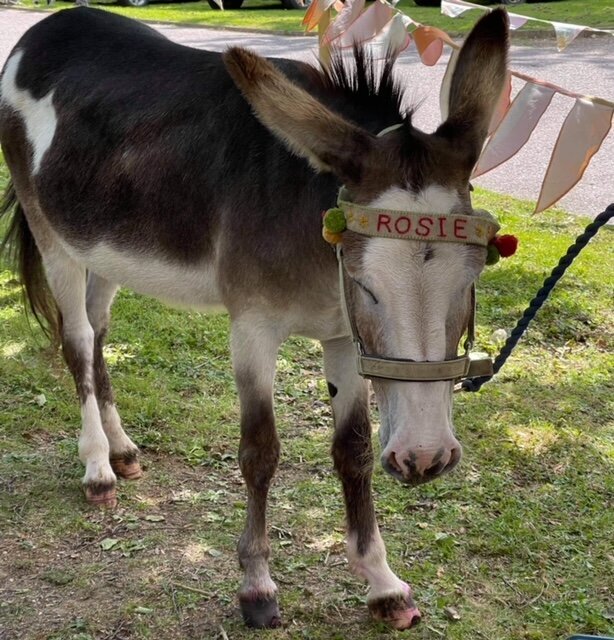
(367, 25)
(348, 15)
(517, 21)
(516, 128)
(581, 135)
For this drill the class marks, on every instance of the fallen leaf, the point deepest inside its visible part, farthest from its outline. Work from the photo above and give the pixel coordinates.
(451, 613)
(143, 610)
(108, 543)
(40, 400)
(154, 518)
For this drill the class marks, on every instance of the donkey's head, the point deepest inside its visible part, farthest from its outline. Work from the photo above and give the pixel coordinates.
(408, 300)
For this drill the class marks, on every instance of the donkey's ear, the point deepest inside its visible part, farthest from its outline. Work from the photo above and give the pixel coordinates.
(477, 83)
(305, 125)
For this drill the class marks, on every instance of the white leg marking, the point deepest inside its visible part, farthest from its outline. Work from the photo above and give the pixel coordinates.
(38, 115)
(373, 567)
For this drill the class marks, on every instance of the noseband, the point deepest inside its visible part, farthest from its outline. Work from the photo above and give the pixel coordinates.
(478, 229)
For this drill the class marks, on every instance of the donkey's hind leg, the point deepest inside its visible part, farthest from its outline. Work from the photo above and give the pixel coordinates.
(254, 353)
(66, 280)
(123, 452)
(389, 598)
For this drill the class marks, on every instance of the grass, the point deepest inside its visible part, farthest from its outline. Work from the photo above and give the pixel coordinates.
(517, 540)
(268, 15)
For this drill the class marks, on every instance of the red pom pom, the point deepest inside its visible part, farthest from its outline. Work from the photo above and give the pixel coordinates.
(506, 245)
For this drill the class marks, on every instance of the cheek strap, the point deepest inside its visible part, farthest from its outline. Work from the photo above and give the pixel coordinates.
(370, 366)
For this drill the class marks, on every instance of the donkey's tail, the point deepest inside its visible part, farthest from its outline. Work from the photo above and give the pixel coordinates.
(25, 259)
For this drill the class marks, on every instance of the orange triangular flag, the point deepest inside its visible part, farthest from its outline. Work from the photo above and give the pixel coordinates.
(429, 42)
(314, 14)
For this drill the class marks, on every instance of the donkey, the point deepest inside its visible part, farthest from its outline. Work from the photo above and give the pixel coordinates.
(200, 179)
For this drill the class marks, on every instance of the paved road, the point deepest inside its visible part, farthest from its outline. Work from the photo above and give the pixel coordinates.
(586, 67)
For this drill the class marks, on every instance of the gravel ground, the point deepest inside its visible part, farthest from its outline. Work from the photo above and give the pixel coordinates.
(587, 66)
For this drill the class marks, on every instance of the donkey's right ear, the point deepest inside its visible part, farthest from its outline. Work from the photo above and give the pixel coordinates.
(304, 124)
(477, 83)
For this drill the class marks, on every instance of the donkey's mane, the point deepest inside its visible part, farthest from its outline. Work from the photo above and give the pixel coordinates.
(367, 89)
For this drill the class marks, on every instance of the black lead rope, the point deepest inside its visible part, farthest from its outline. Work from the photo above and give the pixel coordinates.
(474, 384)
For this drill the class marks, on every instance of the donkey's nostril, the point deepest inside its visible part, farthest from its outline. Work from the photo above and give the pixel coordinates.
(435, 470)
(392, 461)
(455, 456)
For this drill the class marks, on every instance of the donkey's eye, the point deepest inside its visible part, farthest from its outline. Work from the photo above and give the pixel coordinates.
(366, 290)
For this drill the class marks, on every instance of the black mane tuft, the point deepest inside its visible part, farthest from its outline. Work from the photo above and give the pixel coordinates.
(368, 91)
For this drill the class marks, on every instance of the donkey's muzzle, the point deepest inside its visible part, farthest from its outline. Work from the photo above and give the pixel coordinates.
(415, 468)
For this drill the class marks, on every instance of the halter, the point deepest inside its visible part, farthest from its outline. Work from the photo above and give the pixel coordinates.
(478, 229)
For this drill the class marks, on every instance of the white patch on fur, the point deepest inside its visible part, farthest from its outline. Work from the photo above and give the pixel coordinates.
(192, 287)
(433, 199)
(94, 446)
(38, 115)
(373, 567)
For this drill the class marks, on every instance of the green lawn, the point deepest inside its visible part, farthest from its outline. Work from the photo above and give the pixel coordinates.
(268, 14)
(518, 540)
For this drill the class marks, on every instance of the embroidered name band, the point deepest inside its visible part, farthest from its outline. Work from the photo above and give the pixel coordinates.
(479, 228)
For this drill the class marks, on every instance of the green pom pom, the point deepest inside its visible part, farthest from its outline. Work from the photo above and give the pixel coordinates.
(334, 220)
(493, 255)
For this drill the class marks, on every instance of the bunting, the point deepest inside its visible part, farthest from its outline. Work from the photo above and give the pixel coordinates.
(565, 33)
(382, 28)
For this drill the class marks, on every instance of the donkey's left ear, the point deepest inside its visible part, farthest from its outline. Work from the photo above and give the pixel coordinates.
(305, 125)
(477, 83)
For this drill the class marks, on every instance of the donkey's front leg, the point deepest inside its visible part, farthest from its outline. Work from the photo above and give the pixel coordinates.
(254, 353)
(123, 452)
(389, 598)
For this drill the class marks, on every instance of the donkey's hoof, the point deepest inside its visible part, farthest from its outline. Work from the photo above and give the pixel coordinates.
(101, 495)
(260, 613)
(399, 610)
(127, 466)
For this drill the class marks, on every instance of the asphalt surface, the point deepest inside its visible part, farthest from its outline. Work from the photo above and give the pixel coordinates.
(587, 66)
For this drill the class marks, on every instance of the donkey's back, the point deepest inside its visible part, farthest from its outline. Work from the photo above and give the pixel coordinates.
(144, 158)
